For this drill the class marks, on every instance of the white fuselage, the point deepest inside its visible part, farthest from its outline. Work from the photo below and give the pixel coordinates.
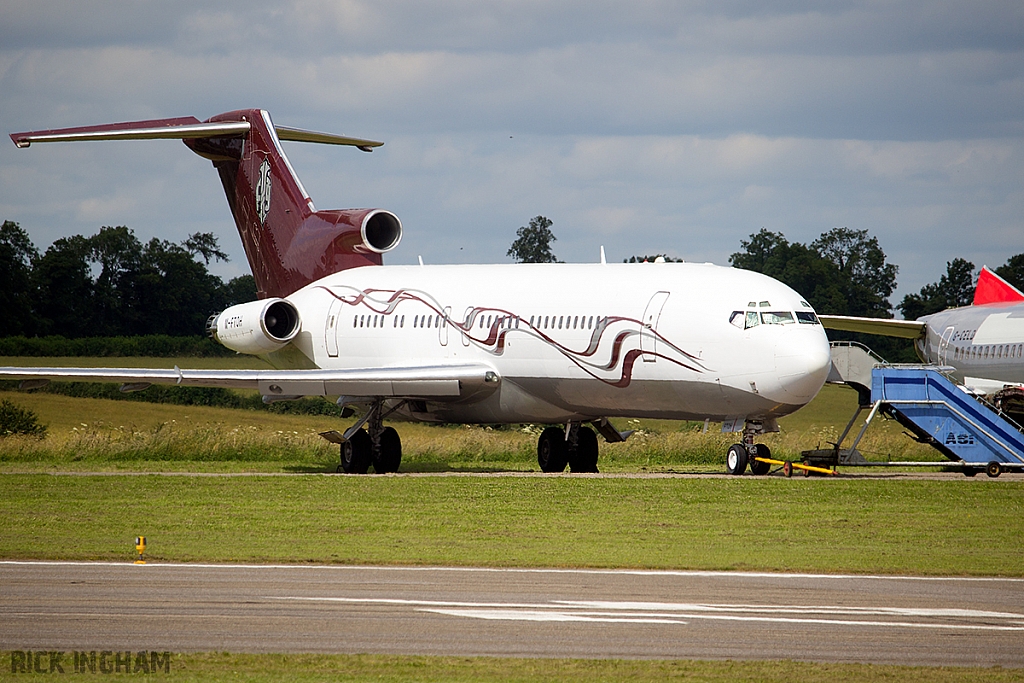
(574, 341)
(981, 342)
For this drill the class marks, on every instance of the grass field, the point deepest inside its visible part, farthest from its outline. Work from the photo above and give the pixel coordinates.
(97, 434)
(356, 668)
(957, 527)
(851, 525)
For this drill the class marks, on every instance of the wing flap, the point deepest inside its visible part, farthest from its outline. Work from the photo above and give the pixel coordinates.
(886, 327)
(434, 382)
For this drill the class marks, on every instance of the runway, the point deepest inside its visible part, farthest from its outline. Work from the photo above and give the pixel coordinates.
(511, 612)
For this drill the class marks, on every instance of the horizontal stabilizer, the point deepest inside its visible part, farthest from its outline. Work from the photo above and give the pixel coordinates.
(993, 289)
(184, 128)
(886, 327)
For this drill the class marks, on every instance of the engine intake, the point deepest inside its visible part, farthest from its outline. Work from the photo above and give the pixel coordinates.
(381, 231)
(257, 327)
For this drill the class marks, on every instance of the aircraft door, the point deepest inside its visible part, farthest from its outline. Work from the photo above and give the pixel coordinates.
(331, 328)
(649, 326)
(944, 345)
(442, 329)
(468, 322)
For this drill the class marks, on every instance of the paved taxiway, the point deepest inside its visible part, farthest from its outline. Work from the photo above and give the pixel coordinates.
(510, 612)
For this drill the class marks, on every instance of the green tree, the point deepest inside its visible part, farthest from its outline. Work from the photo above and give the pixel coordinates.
(177, 293)
(651, 259)
(1013, 271)
(866, 280)
(955, 288)
(116, 306)
(63, 286)
(533, 242)
(205, 244)
(239, 290)
(17, 253)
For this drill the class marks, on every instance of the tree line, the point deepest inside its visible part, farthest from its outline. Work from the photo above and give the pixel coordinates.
(111, 284)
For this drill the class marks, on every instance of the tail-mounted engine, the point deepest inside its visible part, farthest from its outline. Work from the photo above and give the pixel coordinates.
(257, 327)
(363, 231)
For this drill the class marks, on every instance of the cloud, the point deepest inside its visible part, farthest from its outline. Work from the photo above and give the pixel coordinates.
(677, 127)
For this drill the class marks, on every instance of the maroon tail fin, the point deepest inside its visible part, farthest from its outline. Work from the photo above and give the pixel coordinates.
(288, 242)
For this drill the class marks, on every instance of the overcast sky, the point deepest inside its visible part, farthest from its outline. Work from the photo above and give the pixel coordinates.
(678, 127)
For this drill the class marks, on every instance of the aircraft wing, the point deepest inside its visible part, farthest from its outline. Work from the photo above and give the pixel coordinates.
(886, 327)
(427, 381)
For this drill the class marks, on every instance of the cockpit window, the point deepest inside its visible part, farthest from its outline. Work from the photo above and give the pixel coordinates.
(736, 319)
(751, 320)
(777, 318)
(807, 318)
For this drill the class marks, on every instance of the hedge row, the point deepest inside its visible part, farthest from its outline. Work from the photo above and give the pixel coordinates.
(185, 396)
(154, 345)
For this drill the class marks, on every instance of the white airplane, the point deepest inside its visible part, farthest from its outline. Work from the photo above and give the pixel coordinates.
(557, 344)
(983, 342)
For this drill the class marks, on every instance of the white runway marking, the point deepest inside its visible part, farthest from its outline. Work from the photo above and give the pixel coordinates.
(682, 613)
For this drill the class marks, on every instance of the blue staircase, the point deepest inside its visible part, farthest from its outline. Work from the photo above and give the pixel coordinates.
(943, 415)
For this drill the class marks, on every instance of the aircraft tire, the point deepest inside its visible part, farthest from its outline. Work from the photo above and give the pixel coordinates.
(756, 466)
(993, 469)
(355, 455)
(584, 457)
(970, 472)
(736, 459)
(390, 457)
(552, 454)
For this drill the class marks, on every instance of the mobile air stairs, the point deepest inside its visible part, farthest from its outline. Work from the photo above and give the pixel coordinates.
(936, 410)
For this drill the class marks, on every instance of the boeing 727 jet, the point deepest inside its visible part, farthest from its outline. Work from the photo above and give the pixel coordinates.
(564, 345)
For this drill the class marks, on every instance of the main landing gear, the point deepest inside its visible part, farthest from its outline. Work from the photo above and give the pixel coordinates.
(375, 445)
(575, 447)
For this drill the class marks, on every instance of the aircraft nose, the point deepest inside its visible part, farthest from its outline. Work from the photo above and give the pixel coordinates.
(803, 360)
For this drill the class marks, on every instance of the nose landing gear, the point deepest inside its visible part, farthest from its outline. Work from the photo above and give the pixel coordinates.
(757, 455)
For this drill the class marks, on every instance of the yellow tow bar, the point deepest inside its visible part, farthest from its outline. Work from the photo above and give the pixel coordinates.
(787, 466)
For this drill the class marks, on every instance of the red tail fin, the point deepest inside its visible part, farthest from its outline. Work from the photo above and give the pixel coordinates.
(993, 289)
(287, 241)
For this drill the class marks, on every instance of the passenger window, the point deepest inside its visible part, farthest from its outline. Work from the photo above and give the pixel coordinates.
(590, 323)
(752, 320)
(355, 321)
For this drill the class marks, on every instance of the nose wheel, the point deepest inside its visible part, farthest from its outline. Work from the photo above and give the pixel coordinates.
(757, 455)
